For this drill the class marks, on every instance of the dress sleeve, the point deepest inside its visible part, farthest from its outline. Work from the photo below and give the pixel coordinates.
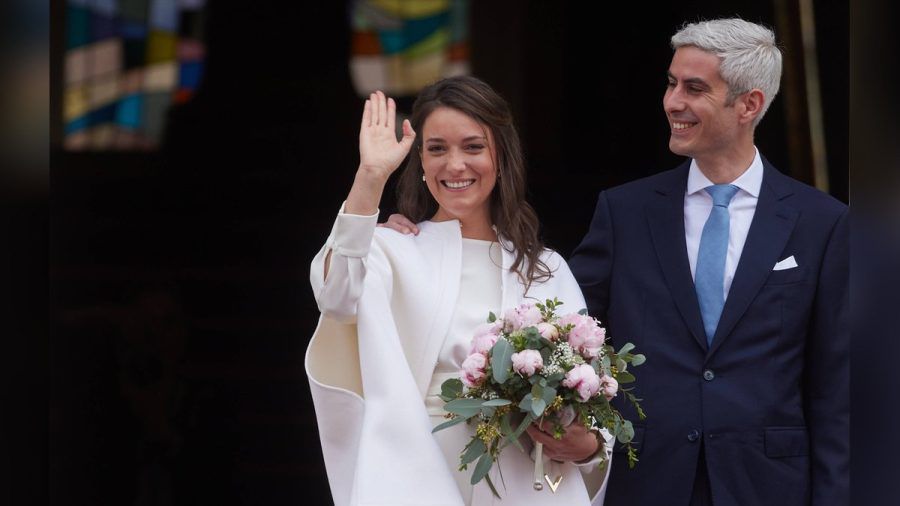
(349, 245)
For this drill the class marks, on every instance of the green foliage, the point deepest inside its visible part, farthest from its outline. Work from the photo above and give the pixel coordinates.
(501, 360)
(449, 423)
(624, 377)
(507, 402)
(481, 468)
(473, 450)
(451, 389)
(464, 407)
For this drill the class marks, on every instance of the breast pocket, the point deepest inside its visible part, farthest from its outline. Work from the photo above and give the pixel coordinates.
(786, 276)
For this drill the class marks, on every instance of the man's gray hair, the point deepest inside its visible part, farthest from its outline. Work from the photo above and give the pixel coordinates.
(748, 55)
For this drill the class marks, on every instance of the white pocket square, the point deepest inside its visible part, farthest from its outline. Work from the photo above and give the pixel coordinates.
(787, 263)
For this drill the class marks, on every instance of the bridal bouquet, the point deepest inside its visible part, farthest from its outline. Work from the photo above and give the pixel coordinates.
(533, 365)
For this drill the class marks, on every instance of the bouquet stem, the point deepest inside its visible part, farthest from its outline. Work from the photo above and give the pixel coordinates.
(538, 466)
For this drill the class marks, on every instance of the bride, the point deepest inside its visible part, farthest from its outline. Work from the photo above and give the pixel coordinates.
(398, 310)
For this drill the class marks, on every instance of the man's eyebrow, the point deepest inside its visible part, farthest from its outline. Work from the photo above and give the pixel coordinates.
(690, 80)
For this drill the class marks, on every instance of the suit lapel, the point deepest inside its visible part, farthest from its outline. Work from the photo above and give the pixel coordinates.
(770, 230)
(665, 216)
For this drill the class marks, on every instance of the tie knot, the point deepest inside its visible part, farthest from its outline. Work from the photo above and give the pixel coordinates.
(721, 193)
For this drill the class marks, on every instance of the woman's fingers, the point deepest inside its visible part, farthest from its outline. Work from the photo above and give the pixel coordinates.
(367, 114)
(382, 109)
(409, 135)
(391, 114)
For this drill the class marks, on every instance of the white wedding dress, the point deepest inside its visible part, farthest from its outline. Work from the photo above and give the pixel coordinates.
(512, 475)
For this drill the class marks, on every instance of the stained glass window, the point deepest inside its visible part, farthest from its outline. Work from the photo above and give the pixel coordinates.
(400, 46)
(127, 61)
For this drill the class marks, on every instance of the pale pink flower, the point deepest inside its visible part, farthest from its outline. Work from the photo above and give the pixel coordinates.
(522, 316)
(583, 380)
(586, 337)
(527, 362)
(489, 328)
(548, 330)
(609, 387)
(473, 370)
(486, 336)
(483, 343)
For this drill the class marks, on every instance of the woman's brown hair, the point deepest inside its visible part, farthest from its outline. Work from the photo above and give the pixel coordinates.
(514, 219)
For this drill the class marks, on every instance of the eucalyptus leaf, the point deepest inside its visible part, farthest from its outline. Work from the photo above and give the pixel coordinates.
(638, 359)
(476, 449)
(451, 389)
(625, 348)
(449, 423)
(492, 317)
(549, 395)
(525, 403)
(520, 429)
(545, 354)
(491, 485)
(583, 311)
(464, 407)
(497, 402)
(555, 378)
(481, 468)
(538, 406)
(501, 360)
(624, 377)
(507, 430)
(627, 432)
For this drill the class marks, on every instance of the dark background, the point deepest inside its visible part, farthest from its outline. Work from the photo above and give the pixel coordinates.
(180, 306)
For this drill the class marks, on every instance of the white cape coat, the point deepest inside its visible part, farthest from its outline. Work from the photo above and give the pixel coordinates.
(386, 309)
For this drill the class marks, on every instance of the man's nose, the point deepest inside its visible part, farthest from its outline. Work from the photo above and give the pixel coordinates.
(673, 100)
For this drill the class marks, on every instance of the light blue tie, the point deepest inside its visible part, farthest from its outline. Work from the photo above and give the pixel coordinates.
(709, 277)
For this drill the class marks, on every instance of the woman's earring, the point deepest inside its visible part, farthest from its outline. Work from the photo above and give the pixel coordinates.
(423, 178)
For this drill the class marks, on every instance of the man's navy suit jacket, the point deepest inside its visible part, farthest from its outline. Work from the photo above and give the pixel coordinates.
(768, 401)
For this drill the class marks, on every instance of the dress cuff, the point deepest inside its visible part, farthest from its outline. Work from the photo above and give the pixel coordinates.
(352, 234)
(605, 440)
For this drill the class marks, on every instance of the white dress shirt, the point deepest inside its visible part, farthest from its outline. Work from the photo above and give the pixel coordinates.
(698, 204)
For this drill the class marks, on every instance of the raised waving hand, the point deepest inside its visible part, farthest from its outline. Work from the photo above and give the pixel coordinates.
(380, 153)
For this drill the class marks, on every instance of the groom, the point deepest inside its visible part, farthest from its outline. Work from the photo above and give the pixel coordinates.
(732, 279)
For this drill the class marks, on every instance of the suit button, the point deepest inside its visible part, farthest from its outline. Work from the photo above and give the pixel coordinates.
(693, 435)
(708, 375)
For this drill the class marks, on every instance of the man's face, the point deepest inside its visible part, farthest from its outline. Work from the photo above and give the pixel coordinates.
(702, 125)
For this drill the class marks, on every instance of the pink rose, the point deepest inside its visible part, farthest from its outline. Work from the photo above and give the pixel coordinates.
(486, 336)
(583, 380)
(483, 343)
(521, 316)
(586, 337)
(472, 372)
(548, 330)
(527, 362)
(608, 387)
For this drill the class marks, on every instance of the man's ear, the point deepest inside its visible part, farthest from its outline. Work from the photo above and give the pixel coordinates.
(751, 104)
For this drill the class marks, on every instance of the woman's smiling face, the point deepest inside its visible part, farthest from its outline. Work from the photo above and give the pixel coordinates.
(459, 163)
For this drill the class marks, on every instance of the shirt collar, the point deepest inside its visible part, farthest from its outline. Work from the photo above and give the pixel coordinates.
(750, 181)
